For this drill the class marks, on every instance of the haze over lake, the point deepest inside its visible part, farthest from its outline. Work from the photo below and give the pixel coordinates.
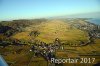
(95, 20)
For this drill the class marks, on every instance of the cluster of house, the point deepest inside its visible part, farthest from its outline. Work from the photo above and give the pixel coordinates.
(92, 29)
(46, 50)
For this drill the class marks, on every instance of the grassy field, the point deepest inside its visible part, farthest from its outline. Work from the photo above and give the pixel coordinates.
(54, 29)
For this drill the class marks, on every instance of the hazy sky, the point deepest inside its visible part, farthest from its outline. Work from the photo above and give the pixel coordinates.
(19, 9)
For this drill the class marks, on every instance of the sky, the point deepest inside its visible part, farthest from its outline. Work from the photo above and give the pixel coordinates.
(29, 9)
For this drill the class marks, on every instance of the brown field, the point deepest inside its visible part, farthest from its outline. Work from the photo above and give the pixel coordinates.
(25, 57)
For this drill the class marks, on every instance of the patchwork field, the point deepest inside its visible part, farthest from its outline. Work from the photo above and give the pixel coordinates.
(53, 29)
(26, 57)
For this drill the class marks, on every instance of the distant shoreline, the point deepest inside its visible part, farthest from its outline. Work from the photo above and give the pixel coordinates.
(94, 20)
(91, 20)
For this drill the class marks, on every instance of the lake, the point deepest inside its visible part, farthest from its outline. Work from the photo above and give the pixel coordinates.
(95, 20)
